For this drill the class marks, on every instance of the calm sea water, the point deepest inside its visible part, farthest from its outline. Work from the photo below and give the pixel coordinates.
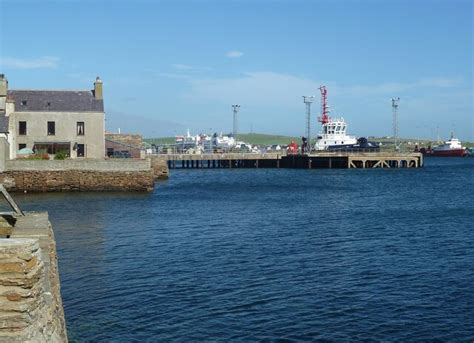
(267, 255)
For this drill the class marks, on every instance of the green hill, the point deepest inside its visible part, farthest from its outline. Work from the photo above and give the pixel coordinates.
(266, 139)
(252, 138)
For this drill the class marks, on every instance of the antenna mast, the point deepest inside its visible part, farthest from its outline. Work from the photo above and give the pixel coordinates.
(235, 123)
(324, 118)
(395, 121)
(308, 100)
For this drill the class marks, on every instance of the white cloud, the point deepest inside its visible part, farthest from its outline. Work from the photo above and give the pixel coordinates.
(182, 66)
(399, 87)
(234, 54)
(183, 71)
(45, 62)
(276, 98)
(265, 87)
(256, 88)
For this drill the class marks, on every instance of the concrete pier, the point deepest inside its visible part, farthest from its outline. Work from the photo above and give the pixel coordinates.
(317, 160)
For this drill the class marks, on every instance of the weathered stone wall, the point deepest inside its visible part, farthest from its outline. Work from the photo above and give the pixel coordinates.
(160, 169)
(133, 140)
(78, 175)
(31, 308)
(86, 164)
(77, 180)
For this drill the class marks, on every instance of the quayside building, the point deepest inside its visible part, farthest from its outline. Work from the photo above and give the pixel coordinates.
(71, 121)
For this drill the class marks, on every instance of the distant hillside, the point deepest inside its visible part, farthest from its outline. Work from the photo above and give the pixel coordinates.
(252, 138)
(266, 139)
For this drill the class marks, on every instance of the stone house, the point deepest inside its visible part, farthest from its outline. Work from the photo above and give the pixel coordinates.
(55, 120)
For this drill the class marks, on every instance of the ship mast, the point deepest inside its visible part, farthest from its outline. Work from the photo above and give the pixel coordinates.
(324, 118)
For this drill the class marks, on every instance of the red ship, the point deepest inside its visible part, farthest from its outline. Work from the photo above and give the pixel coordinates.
(451, 148)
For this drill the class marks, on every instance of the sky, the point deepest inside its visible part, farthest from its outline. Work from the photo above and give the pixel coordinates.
(169, 66)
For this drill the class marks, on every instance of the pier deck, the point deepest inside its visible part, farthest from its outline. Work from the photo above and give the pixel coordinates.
(315, 160)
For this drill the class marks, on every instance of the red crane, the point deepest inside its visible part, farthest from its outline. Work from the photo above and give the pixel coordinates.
(324, 106)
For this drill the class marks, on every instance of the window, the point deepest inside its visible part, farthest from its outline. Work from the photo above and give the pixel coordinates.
(23, 103)
(51, 128)
(22, 128)
(80, 128)
(21, 146)
(80, 150)
(49, 103)
(52, 148)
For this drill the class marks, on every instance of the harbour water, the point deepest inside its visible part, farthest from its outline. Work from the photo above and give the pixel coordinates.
(251, 255)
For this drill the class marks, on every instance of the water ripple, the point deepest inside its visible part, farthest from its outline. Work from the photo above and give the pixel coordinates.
(271, 256)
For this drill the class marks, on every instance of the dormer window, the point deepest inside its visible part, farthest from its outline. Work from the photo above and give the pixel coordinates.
(23, 103)
(49, 103)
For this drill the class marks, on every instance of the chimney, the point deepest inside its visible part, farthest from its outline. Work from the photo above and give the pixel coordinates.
(3, 92)
(98, 88)
(3, 85)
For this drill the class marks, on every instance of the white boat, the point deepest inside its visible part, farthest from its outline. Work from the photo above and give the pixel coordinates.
(224, 142)
(450, 148)
(333, 133)
(187, 142)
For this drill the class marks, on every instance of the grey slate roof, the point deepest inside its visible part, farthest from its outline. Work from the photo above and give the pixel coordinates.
(55, 101)
(3, 123)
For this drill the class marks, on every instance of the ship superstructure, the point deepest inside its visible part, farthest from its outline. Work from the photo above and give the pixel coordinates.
(333, 131)
(452, 147)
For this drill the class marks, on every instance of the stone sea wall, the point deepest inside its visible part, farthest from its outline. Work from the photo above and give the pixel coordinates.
(82, 175)
(77, 180)
(31, 307)
(160, 169)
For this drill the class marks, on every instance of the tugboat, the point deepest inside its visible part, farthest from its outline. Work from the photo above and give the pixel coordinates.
(333, 134)
(450, 148)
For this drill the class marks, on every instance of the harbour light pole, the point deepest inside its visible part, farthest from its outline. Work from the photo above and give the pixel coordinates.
(308, 100)
(395, 121)
(235, 123)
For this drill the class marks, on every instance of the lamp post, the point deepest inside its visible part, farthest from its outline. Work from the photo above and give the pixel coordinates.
(235, 122)
(308, 100)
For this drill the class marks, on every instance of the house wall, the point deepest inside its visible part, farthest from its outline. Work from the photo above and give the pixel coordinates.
(4, 152)
(66, 131)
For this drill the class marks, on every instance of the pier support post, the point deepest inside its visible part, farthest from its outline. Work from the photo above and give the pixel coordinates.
(330, 163)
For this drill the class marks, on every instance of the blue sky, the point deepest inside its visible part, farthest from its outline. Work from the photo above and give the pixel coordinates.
(172, 65)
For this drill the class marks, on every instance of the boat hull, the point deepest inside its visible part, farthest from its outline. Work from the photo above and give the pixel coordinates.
(449, 153)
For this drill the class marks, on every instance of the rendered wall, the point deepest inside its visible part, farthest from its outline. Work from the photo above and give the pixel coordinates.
(66, 126)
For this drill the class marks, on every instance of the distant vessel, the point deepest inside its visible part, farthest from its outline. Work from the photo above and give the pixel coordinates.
(223, 142)
(333, 134)
(451, 148)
